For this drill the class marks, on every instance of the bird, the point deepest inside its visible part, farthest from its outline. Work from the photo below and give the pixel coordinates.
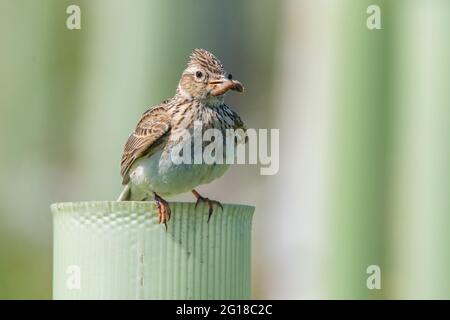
(147, 170)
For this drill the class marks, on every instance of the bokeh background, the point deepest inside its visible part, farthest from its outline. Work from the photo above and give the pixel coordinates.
(364, 119)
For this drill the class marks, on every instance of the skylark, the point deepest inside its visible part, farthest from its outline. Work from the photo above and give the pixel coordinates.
(147, 168)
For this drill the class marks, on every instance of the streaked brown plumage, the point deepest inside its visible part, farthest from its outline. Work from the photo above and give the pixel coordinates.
(148, 135)
(146, 168)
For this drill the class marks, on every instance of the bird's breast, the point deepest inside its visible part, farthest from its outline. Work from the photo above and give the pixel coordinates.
(187, 159)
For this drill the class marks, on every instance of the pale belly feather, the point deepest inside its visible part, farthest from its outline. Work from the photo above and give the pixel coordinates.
(159, 174)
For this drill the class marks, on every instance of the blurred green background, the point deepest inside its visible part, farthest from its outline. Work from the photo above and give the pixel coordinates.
(364, 119)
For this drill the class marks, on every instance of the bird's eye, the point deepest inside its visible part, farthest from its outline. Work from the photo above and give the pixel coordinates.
(199, 74)
(230, 76)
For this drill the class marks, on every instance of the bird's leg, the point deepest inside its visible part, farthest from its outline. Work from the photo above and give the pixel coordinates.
(210, 203)
(163, 209)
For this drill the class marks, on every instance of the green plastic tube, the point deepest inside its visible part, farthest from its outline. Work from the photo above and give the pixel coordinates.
(118, 250)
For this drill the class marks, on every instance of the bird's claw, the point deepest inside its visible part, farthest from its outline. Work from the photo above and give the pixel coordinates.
(210, 204)
(163, 210)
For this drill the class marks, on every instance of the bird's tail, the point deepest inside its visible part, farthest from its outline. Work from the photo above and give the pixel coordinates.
(125, 195)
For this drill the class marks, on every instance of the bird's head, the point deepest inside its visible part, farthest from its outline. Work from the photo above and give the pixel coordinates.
(205, 78)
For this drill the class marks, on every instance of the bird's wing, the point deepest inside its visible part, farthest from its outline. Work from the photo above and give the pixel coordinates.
(238, 124)
(153, 125)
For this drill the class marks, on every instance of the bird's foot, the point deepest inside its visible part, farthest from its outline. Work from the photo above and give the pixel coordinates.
(209, 202)
(163, 209)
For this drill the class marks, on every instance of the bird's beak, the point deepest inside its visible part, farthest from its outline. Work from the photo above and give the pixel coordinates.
(221, 86)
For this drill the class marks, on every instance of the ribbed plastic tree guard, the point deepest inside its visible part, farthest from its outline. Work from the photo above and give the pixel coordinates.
(118, 250)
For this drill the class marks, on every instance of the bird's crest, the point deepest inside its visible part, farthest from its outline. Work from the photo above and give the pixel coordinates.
(206, 60)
